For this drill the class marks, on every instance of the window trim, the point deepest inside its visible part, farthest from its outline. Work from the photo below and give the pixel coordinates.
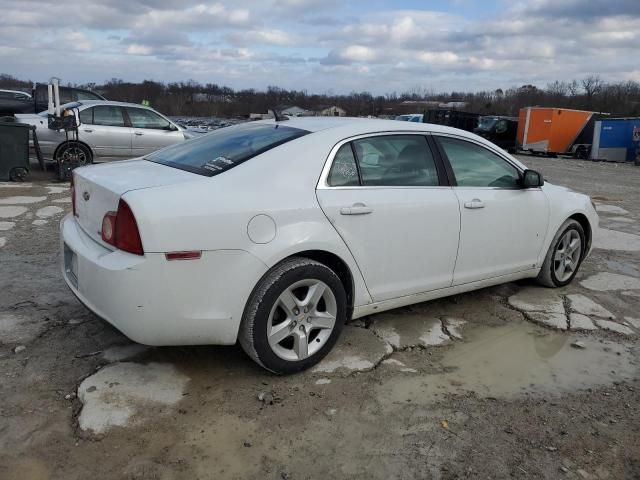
(452, 178)
(323, 183)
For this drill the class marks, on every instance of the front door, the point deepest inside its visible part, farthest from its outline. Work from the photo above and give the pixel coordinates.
(383, 195)
(502, 224)
(151, 132)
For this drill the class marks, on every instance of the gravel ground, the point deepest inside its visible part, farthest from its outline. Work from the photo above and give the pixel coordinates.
(515, 381)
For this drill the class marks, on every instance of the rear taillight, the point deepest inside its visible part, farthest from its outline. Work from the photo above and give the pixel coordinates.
(73, 197)
(121, 230)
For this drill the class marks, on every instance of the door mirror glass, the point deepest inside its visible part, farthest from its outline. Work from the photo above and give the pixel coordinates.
(532, 179)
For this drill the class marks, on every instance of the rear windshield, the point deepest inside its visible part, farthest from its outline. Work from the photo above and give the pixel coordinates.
(225, 148)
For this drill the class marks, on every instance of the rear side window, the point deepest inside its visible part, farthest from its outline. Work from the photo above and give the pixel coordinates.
(344, 172)
(108, 115)
(225, 148)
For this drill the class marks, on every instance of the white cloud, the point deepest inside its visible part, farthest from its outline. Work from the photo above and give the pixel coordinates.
(320, 44)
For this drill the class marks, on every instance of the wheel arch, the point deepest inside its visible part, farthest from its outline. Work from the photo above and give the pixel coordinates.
(84, 144)
(586, 226)
(338, 265)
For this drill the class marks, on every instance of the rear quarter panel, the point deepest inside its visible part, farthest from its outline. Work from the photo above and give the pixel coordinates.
(214, 213)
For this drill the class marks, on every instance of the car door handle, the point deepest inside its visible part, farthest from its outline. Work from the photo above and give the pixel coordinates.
(356, 209)
(475, 203)
(88, 130)
(139, 133)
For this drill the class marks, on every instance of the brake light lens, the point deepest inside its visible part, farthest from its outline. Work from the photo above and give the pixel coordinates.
(73, 197)
(120, 229)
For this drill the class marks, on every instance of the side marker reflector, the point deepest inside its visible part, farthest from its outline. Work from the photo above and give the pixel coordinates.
(190, 255)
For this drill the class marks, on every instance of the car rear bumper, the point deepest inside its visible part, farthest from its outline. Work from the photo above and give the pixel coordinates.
(157, 302)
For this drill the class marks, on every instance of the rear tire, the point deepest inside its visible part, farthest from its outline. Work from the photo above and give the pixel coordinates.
(564, 256)
(294, 316)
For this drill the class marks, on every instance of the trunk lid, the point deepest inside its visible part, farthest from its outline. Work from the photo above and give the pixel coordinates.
(98, 188)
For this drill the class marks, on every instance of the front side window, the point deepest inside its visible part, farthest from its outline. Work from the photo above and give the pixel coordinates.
(142, 118)
(475, 166)
(396, 160)
(344, 172)
(223, 149)
(108, 116)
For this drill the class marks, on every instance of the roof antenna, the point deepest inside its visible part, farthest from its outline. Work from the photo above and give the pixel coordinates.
(278, 116)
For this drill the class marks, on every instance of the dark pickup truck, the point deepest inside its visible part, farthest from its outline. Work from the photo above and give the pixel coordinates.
(12, 104)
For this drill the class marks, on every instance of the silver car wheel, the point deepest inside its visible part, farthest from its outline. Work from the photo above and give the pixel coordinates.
(567, 255)
(302, 319)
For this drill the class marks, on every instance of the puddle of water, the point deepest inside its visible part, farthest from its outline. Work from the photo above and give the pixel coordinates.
(518, 358)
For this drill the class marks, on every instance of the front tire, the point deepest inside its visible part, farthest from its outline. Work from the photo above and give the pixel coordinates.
(564, 256)
(294, 316)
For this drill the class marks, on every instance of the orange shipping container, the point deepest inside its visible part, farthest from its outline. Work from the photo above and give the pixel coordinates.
(552, 130)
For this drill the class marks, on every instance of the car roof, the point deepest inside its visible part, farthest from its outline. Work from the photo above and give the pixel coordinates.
(90, 103)
(341, 128)
(360, 126)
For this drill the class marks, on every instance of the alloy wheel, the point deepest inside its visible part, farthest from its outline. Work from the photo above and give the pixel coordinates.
(567, 255)
(302, 319)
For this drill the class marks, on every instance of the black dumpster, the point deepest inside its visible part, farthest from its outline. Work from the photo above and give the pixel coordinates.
(14, 151)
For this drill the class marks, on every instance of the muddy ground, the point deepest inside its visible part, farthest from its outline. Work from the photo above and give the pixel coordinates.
(489, 384)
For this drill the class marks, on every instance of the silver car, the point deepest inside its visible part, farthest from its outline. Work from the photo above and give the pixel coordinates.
(107, 131)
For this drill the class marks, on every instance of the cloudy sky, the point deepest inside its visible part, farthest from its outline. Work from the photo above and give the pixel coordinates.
(323, 45)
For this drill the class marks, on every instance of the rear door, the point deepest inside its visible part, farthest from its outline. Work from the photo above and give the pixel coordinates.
(387, 198)
(502, 224)
(151, 131)
(105, 129)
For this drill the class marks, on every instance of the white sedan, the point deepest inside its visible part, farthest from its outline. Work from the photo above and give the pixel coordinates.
(276, 233)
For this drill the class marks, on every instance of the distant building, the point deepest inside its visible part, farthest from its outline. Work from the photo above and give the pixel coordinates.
(293, 111)
(333, 111)
(453, 105)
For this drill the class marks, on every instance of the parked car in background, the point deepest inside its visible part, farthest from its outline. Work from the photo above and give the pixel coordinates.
(107, 131)
(39, 100)
(413, 117)
(14, 101)
(500, 130)
(276, 233)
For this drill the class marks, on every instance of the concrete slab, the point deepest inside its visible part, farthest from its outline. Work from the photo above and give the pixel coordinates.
(21, 200)
(12, 211)
(580, 322)
(633, 321)
(603, 208)
(50, 211)
(536, 299)
(410, 329)
(358, 349)
(606, 239)
(614, 327)
(606, 281)
(552, 320)
(454, 326)
(586, 306)
(116, 393)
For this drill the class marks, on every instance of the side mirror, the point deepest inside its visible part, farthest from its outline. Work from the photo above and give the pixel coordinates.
(532, 179)
(172, 128)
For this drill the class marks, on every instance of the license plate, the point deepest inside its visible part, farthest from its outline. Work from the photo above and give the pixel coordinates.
(71, 265)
